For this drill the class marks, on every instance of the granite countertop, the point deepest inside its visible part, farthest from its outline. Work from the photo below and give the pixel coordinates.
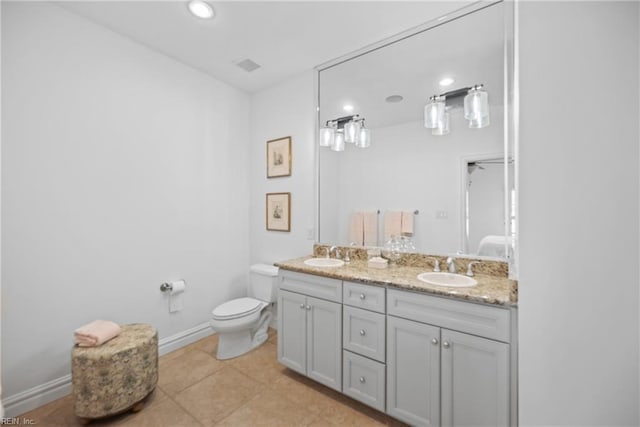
(491, 289)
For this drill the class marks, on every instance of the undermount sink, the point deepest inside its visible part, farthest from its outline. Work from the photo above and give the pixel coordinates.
(324, 262)
(451, 280)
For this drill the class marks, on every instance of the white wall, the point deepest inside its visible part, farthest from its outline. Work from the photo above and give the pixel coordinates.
(121, 169)
(283, 110)
(578, 283)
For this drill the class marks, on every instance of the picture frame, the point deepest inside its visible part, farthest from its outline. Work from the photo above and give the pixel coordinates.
(278, 209)
(279, 157)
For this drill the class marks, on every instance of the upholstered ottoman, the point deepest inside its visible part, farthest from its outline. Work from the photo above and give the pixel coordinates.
(116, 376)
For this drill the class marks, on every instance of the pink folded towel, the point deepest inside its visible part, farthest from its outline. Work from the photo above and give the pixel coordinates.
(95, 333)
(407, 223)
(356, 228)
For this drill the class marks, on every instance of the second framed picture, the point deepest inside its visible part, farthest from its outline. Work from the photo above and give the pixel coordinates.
(279, 211)
(279, 157)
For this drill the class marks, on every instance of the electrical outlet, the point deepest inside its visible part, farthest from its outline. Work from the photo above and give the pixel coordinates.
(442, 214)
(310, 233)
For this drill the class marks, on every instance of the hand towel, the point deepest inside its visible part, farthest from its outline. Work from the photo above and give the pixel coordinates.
(392, 224)
(370, 221)
(407, 224)
(356, 228)
(95, 333)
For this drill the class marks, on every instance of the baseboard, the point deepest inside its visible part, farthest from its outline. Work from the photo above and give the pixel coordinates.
(34, 397)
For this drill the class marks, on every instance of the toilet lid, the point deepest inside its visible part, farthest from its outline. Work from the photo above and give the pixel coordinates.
(236, 308)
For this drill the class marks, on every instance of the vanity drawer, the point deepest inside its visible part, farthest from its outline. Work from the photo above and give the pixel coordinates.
(364, 380)
(363, 332)
(485, 321)
(308, 284)
(364, 296)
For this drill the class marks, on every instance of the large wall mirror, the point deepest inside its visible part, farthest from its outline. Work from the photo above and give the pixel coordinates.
(451, 192)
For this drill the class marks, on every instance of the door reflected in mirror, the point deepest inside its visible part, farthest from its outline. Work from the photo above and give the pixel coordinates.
(412, 168)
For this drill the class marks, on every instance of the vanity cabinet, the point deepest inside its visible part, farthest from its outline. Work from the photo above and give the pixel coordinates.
(310, 327)
(423, 359)
(440, 376)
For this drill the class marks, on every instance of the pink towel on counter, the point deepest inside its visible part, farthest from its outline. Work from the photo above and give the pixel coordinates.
(407, 223)
(370, 222)
(356, 228)
(392, 224)
(95, 333)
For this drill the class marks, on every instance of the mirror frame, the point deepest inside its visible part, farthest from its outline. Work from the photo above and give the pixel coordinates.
(511, 114)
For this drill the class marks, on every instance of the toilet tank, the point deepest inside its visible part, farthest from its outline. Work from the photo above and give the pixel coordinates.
(263, 282)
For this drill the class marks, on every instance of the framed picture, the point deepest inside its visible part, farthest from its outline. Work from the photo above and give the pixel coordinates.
(279, 211)
(279, 157)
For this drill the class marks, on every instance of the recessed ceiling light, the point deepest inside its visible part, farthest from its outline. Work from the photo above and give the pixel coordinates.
(394, 98)
(348, 108)
(447, 81)
(201, 9)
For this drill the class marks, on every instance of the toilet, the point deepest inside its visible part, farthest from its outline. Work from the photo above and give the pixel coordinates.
(242, 323)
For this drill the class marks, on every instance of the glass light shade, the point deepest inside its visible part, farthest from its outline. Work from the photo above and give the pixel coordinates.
(338, 142)
(480, 122)
(443, 127)
(351, 131)
(476, 104)
(364, 140)
(326, 136)
(434, 113)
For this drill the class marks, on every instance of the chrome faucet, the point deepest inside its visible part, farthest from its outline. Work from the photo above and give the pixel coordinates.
(451, 265)
(332, 249)
(470, 268)
(436, 264)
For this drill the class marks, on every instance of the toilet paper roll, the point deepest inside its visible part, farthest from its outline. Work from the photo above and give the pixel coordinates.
(176, 297)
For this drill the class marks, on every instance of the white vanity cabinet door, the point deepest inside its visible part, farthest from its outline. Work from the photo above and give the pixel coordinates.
(475, 381)
(292, 331)
(413, 372)
(324, 342)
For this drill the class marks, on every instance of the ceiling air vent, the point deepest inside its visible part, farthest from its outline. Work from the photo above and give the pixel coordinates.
(247, 65)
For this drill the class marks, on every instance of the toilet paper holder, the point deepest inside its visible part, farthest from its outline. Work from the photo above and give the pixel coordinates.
(167, 287)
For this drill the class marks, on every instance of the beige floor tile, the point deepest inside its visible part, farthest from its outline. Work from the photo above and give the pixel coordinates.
(273, 336)
(178, 373)
(304, 392)
(209, 344)
(218, 395)
(260, 364)
(165, 414)
(269, 409)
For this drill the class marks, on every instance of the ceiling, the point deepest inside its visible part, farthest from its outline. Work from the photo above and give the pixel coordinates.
(286, 38)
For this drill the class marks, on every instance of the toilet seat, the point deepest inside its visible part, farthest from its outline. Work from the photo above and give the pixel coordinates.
(239, 307)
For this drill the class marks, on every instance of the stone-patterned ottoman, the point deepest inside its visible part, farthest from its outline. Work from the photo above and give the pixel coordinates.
(117, 375)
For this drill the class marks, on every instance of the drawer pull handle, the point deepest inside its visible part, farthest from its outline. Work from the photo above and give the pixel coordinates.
(308, 307)
(362, 332)
(362, 296)
(434, 341)
(362, 379)
(445, 344)
(302, 305)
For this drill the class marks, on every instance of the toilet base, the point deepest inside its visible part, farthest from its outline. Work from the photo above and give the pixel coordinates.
(236, 343)
(233, 344)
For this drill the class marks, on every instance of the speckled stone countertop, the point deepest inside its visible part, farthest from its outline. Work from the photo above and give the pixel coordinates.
(494, 289)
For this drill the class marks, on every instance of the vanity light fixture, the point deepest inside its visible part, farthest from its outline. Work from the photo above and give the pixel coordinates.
(201, 9)
(476, 109)
(348, 129)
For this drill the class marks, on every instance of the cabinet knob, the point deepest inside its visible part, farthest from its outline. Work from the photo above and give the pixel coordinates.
(434, 341)
(362, 379)
(362, 296)
(308, 307)
(445, 344)
(362, 332)
(302, 305)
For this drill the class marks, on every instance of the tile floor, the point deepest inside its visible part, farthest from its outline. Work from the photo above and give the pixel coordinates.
(196, 389)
